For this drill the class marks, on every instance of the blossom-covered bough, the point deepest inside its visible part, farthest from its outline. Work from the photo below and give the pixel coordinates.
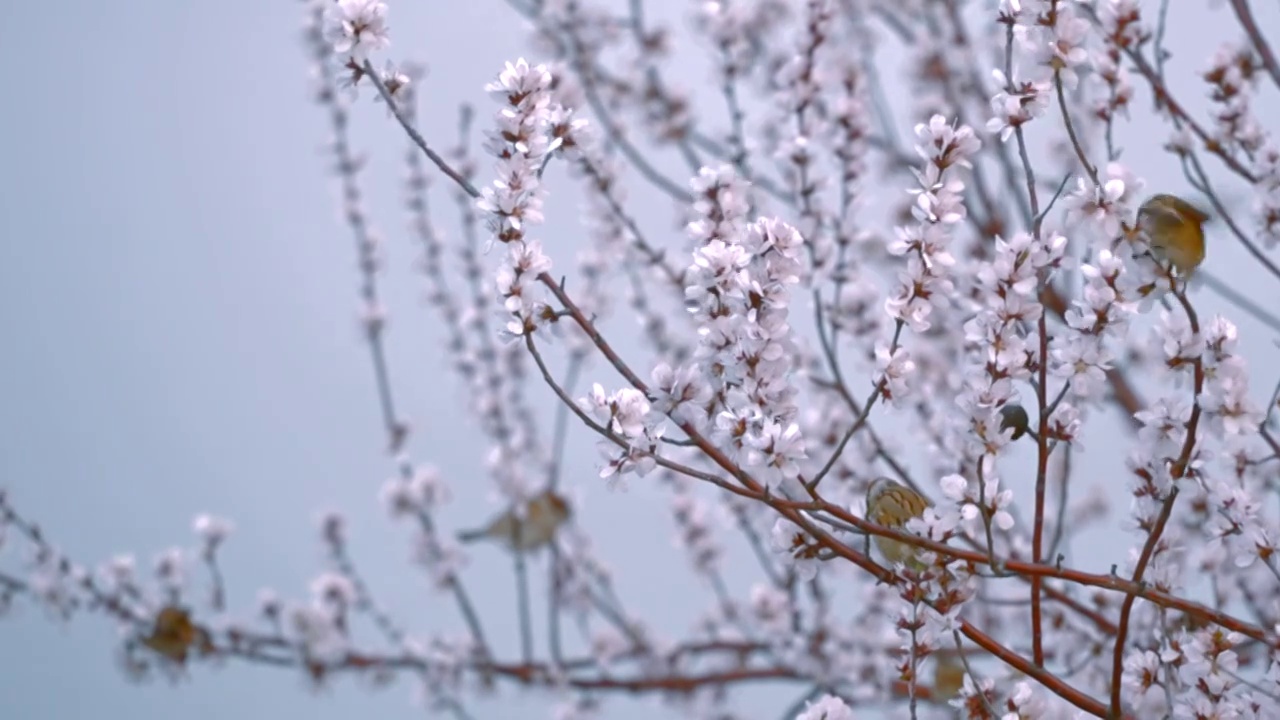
(810, 329)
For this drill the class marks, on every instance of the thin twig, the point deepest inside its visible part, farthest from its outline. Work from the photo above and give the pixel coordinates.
(413, 133)
(522, 607)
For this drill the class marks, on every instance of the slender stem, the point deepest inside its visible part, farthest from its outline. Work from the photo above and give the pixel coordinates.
(522, 608)
(912, 679)
(858, 422)
(553, 611)
(560, 434)
(615, 134)
(1049, 680)
(460, 595)
(413, 133)
(1071, 131)
(1195, 173)
(964, 658)
(1059, 525)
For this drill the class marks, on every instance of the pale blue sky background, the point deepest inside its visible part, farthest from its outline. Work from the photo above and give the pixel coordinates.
(178, 298)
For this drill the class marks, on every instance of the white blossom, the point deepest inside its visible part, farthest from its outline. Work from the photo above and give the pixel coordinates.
(358, 27)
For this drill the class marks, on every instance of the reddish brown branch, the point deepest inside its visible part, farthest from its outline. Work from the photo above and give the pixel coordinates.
(1042, 474)
(1112, 583)
(1034, 670)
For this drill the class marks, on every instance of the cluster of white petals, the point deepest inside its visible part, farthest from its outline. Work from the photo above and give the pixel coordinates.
(800, 81)
(513, 201)
(629, 417)
(1051, 35)
(357, 27)
(926, 283)
(1266, 204)
(827, 707)
(739, 291)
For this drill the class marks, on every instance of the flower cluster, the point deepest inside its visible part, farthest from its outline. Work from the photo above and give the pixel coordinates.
(213, 531)
(1174, 455)
(987, 501)
(628, 416)
(939, 206)
(1016, 104)
(1121, 29)
(522, 143)
(423, 491)
(357, 28)
(978, 697)
(1225, 397)
(800, 83)
(827, 707)
(1160, 460)
(1099, 316)
(856, 294)
(932, 598)
(797, 548)
(1232, 75)
(1052, 35)
(1208, 667)
(1008, 352)
(1266, 204)
(739, 289)
(1105, 208)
